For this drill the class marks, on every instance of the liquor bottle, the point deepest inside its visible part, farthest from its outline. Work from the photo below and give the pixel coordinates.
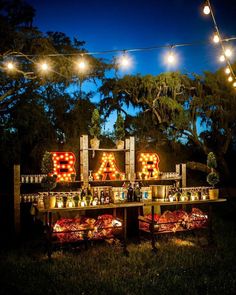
(102, 198)
(107, 196)
(124, 191)
(137, 193)
(95, 197)
(89, 197)
(130, 193)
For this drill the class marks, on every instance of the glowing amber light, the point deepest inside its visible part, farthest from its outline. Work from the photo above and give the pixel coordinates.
(107, 168)
(216, 38)
(227, 70)
(230, 79)
(62, 167)
(149, 165)
(222, 58)
(228, 52)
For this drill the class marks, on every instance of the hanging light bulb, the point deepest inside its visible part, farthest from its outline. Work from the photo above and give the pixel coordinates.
(216, 38)
(230, 79)
(171, 58)
(222, 58)
(82, 64)
(228, 52)
(234, 84)
(44, 67)
(125, 61)
(227, 71)
(10, 66)
(206, 9)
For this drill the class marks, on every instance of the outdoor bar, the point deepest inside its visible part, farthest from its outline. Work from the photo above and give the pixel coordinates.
(106, 191)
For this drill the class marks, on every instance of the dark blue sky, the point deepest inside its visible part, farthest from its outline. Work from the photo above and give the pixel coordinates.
(106, 25)
(124, 24)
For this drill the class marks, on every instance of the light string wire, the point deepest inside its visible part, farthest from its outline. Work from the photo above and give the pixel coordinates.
(221, 40)
(175, 45)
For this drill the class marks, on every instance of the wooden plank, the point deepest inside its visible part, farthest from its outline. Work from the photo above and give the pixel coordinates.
(85, 159)
(81, 159)
(16, 198)
(184, 175)
(127, 159)
(132, 158)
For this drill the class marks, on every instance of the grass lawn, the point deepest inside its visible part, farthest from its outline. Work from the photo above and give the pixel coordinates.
(181, 266)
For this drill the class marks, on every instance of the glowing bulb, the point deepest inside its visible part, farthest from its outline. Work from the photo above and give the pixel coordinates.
(230, 79)
(170, 59)
(10, 66)
(216, 38)
(44, 67)
(234, 84)
(82, 65)
(124, 61)
(222, 58)
(228, 52)
(227, 70)
(206, 9)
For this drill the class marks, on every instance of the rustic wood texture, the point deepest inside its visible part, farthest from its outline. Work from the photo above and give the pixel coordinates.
(17, 198)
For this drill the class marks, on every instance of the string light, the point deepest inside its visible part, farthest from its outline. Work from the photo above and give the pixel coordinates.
(206, 9)
(216, 38)
(222, 58)
(228, 52)
(227, 71)
(170, 58)
(44, 66)
(82, 64)
(124, 61)
(234, 84)
(10, 66)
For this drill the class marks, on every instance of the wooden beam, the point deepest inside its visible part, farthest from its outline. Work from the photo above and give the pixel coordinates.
(132, 158)
(16, 192)
(127, 158)
(84, 159)
(184, 175)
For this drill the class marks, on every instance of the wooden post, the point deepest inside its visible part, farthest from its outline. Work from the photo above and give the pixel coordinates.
(16, 199)
(184, 175)
(84, 159)
(177, 169)
(127, 158)
(132, 158)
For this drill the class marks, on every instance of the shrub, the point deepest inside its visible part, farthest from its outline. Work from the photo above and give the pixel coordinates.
(95, 129)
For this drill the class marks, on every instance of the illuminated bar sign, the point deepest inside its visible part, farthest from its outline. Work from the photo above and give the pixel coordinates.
(149, 165)
(64, 165)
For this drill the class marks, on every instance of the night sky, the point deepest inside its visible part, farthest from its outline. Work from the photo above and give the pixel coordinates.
(106, 25)
(124, 24)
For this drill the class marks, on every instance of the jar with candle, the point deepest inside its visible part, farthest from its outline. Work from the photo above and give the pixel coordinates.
(70, 202)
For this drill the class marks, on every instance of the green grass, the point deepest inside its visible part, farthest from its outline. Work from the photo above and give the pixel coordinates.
(180, 267)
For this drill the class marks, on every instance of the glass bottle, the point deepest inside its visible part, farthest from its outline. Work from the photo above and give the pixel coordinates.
(102, 198)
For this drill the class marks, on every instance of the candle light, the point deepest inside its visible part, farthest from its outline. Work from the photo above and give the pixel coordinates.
(171, 198)
(193, 198)
(59, 204)
(94, 203)
(182, 198)
(70, 205)
(204, 197)
(82, 203)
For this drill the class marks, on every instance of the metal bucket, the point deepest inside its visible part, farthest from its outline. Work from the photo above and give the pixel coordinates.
(159, 192)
